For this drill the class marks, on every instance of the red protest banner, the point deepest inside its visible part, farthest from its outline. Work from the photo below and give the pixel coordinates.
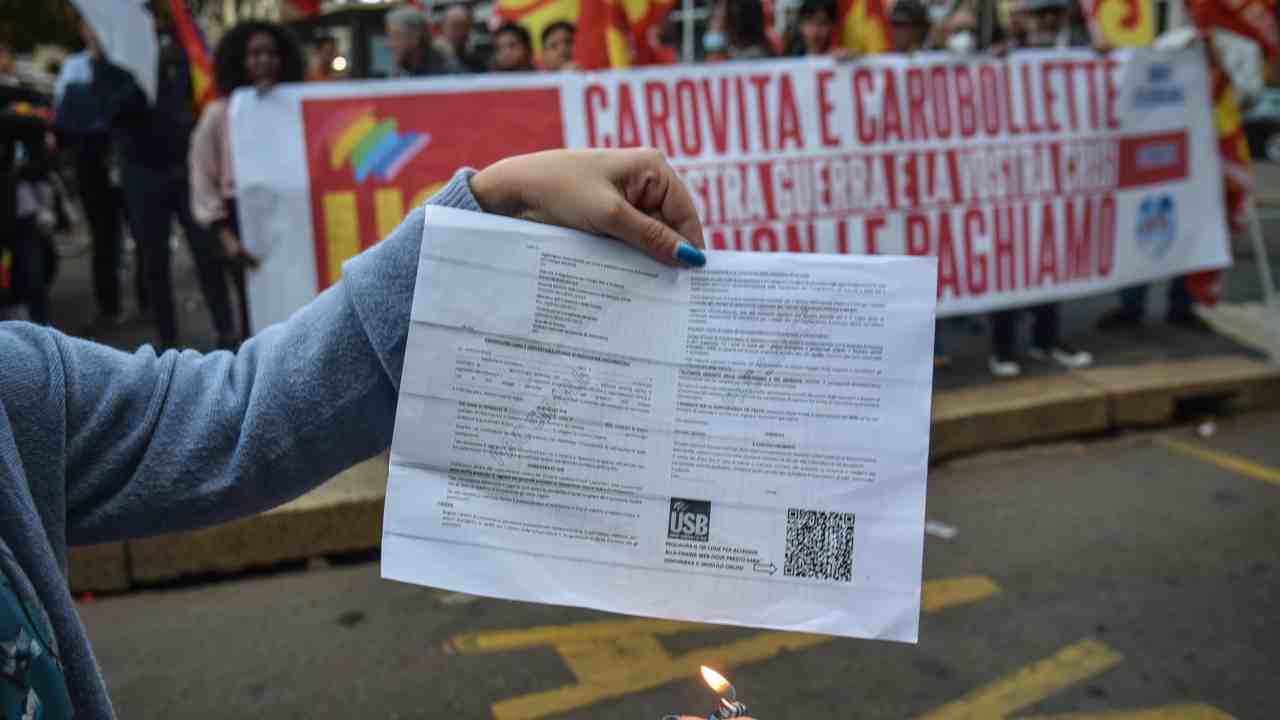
(371, 159)
(1032, 179)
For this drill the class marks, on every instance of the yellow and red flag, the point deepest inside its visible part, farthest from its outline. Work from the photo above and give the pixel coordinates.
(1122, 23)
(604, 38)
(645, 18)
(536, 15)
(198, 56)
(863, 26)
(1256, 20)
(610, 33)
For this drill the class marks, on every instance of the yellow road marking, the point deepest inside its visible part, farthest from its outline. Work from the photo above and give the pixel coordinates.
(616, 658)
(627, 665)
(949, 592)
(1226, 461)
(1181, 711)
(504, 640)
(1029, 685)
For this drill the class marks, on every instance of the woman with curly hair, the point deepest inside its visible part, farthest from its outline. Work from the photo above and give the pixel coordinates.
(251, 54)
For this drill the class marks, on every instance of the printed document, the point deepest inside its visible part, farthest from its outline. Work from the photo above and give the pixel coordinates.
(745, 443)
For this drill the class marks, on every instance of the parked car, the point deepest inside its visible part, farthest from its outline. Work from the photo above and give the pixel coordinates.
(1262, 126)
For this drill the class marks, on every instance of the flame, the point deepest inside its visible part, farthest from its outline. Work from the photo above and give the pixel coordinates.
(715, 680)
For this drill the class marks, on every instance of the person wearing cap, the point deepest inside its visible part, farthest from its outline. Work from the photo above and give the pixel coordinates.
(908, 26)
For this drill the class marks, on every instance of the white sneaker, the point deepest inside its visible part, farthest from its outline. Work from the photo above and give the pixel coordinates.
(1064, 355)
(1004, 367)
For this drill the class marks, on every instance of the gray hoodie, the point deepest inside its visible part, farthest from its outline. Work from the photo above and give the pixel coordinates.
(97, 445)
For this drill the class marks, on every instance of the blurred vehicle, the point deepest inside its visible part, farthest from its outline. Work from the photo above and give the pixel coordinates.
(1262, 126)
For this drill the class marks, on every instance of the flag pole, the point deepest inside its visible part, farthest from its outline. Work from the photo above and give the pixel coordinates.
(686, 49)
(987, 18)
(1270, 304)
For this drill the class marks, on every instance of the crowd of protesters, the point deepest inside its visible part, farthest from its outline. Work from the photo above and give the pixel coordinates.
(142, 165)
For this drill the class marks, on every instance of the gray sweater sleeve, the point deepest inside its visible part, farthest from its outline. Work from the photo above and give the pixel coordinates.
(154, 444)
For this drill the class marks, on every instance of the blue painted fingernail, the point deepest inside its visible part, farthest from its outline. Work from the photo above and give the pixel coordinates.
(690, 255)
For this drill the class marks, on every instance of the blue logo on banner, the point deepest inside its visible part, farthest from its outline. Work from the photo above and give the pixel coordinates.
(1159, 90)
(1157, 225)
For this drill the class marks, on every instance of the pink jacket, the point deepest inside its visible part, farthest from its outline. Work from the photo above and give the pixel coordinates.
(212, 182)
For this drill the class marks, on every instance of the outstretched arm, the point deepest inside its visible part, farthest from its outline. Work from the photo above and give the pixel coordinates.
(152, 444)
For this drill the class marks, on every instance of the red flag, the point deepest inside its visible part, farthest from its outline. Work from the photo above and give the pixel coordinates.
(646, 18)
(604, 38)
(863, 25)
(306, 7)
(198, 55)
(1254, 19)
(1237, 167)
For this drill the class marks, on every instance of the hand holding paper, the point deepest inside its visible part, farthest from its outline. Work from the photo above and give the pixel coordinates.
(632, 195)
(582, 425)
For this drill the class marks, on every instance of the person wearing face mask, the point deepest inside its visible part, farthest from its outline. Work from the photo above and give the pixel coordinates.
(958, 33)
(251, 54)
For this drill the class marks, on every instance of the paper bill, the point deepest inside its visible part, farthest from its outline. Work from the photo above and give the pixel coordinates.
(745, 443)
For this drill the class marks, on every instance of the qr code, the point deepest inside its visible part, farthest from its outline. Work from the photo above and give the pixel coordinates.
(819, 545)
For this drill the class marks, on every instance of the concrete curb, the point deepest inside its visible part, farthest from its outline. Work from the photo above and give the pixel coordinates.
(345, 514)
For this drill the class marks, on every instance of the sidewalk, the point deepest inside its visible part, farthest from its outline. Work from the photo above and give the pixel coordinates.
(1150, 377)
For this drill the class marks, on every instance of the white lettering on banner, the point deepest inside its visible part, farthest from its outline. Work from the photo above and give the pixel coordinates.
(1032, 178)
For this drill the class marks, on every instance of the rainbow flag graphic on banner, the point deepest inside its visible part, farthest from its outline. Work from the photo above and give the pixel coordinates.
(371, 146)
(198, 55)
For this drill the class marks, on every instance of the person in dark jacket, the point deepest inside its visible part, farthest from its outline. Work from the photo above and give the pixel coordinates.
(152, 142)
(82, 127)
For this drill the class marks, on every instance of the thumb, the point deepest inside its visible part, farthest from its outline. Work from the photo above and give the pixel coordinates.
(650, 235)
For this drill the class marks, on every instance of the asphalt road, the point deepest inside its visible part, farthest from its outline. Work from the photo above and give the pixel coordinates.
(1134, 577)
